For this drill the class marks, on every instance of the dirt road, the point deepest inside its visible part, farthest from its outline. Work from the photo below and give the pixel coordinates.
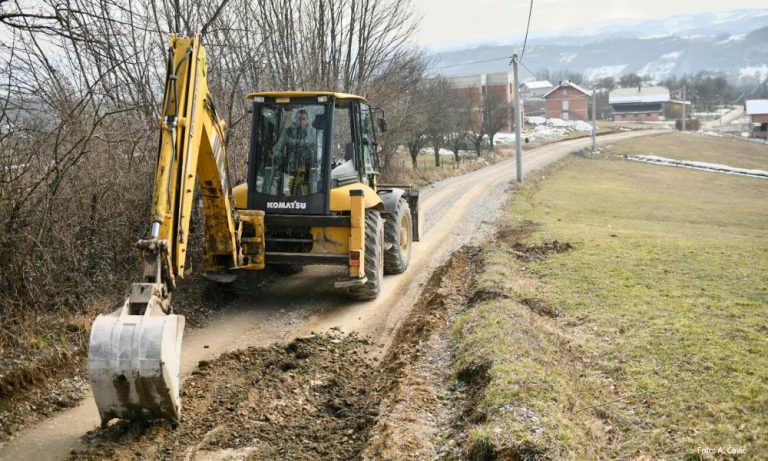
(456, 211)
(724, 120)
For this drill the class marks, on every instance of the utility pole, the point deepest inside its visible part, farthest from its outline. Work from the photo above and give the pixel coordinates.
(683, 107)
(518, 148)
(594, 118)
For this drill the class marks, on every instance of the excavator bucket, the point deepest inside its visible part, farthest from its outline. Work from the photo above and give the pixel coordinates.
(133, 364)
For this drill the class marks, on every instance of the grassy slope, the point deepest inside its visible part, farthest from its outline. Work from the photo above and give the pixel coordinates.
(661, 346)
(741, 154)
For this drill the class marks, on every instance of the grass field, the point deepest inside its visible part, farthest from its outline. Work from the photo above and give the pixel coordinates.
(649, 338)
(737, 153)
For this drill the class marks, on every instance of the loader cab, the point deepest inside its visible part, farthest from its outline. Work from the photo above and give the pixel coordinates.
(303, 145)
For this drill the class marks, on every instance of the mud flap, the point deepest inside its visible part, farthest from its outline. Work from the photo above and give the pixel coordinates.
(133, 364)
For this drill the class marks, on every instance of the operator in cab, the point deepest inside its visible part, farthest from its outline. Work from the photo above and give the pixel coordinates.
(299, 140)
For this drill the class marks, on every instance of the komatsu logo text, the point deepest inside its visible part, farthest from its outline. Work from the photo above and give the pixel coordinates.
(287, 205)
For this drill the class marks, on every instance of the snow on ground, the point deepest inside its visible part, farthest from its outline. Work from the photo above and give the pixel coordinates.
(595, 73)
(504, 138)
(577, 125)
(431, 150)
(661, 68)
(761, 73)
(552, 128)
(733, 38)
(713, 167)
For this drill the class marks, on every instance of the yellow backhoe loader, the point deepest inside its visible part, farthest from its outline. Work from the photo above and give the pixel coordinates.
(312, 197)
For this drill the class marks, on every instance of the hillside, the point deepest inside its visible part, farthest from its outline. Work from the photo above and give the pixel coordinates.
(738, 47)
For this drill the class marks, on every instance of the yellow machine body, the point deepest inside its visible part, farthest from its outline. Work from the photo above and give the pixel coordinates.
(134, 352)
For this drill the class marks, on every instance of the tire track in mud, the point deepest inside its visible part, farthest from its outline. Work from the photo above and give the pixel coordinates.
(319, 397)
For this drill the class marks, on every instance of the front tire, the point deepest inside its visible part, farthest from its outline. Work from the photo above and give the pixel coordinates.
(374, 256)
(398, 232)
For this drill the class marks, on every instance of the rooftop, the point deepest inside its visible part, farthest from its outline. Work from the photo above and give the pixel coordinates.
(757, 106)
(638, 94)
(537, 84)
(568, 83)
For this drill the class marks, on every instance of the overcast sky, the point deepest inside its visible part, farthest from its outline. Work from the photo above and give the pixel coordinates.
(450, 22)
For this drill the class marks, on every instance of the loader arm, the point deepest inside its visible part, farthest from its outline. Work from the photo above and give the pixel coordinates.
(134, 352)
(191, 147)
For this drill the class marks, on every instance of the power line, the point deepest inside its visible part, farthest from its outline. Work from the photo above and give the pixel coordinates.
(527, 28)
(472, 62)
(529, 71)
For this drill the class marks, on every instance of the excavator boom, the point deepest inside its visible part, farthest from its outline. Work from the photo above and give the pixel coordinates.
(134, 352)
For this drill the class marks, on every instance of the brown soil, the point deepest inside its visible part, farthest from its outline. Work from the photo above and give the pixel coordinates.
(542, 307)
(321, 397)
(43, 395)
(510, 233)
(38, 382)
(417, 401)
(311, 399)
(534, 253)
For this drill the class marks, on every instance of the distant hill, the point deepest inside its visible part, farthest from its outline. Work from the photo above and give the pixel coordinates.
(735, 43)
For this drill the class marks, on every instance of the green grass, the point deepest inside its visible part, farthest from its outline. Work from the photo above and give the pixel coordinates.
(741, 154)
(662, 343)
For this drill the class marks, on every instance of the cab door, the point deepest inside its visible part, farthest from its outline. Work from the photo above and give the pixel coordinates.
(367, 141)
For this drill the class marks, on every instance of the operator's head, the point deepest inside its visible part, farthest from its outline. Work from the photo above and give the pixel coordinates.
(302, 118)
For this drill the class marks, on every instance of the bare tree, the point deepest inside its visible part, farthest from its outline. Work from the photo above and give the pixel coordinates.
(496, 112)
(457, 118)
(393, 90)
(80, 91)
(437, 100)
(472, 114)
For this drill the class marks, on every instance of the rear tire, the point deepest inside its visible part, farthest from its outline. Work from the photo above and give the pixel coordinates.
(398, 232)
(374, 255)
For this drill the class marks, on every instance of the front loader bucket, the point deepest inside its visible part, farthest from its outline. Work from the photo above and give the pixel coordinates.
(133, 363)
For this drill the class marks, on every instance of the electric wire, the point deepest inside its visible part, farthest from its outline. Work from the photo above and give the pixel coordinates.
(472, 62)
(527, 28)
(525, 42)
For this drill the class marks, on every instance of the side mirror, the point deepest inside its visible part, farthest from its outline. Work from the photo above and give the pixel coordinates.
(383, 125)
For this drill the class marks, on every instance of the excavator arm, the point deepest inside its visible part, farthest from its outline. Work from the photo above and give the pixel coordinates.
(134, 352)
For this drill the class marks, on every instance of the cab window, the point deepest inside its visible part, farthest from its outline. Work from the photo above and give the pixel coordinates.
(368, 139)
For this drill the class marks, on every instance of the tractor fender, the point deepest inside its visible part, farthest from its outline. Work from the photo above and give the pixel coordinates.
(390, 198)
(391, 195)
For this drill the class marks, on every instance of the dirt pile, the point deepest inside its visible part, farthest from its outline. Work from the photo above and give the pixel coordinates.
(534, 253)
(311, 399)
(322, 397)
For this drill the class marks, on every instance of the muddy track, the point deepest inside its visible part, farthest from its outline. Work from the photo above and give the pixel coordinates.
(320, 397)
(457, 211)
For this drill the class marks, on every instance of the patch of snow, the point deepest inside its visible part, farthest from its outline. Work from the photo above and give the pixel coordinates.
(580, 125)
(653, 37)
(733, 38)
(595, 73)
(557, 122)
(658, 69)
(554, 128)
(431, 151)
(567, 57)
(662, 67)
(504, 138)
(761, 73)
(705, 166)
